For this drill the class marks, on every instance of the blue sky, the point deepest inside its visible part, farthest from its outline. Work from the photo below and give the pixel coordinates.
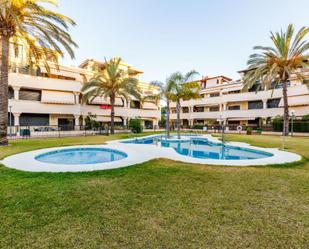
(164, 36)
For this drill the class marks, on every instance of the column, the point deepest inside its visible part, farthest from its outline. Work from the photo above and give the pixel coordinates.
(264, 103)
(190, 122)
(125, 121)
(16, 92)
(16, 118)
(84, 120)
(77, 123)
(76, 97)
(224, 107)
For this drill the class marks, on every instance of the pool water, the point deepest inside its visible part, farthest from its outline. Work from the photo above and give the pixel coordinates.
(203, 148)
(81, 156)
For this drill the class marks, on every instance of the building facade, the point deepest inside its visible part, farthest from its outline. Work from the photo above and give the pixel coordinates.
(222, 99)
(41, 98)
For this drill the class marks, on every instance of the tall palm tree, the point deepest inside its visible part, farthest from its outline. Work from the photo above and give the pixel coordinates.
(183, 88)
(111, 82)
(274, 65)
(165, 95)
(43, 32)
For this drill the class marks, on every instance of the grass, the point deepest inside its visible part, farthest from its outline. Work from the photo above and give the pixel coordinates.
(157, 204)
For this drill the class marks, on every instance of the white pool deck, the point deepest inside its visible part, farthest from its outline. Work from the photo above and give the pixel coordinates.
(139, 153)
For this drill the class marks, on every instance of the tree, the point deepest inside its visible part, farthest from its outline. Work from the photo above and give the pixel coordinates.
(42, 31)
(183, 88)
(165, 95)
(274, 65)
(111, 82)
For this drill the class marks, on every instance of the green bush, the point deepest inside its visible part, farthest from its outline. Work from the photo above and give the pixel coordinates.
(136, 125)
(91, 123)
(249, 131)
(198, 126)
(277, 124)
(259, 130)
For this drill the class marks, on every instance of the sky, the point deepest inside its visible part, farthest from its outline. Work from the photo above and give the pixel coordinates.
(160, 37)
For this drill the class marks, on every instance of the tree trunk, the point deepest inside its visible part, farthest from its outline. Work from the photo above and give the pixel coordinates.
(178, 118)
(286, 108)
(112, 99)
(168, 119)
(4, 68)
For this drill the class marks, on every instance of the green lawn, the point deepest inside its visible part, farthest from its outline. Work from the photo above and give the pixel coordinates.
(158, 204)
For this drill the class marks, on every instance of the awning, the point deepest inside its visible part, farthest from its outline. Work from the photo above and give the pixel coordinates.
(150, 105)
(235, 88)
(107, 119)
(55, 97)
(61, 72)
(296, 101)
(240, 119)
(105, 101)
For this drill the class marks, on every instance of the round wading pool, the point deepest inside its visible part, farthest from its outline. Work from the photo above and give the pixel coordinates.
(81, 156)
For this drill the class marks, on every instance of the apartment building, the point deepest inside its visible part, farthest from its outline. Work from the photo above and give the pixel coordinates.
(41, 98)
(223, 99)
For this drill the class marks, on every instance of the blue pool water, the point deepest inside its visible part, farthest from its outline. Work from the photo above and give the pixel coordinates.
(81, 156)
(203, 148)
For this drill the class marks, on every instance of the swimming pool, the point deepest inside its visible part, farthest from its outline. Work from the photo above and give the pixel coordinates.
(198, 149)
(202, 148)
(81, 156)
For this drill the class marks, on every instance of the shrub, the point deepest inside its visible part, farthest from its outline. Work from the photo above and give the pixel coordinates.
(198, 126)
(259, 130)
(136, 125)
(91, 123)
(249, 131)
(277, 124)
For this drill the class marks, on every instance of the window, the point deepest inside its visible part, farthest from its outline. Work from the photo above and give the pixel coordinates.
(233, 92)
(28, 119)
(135, 104)
(11, 93)
(258, 104)
(214, 108)
(234, 107)
(198, 109)
(27, 94)
(214, 94)
(276, 85)
(273, 103)
(185, 109)
(255, 87)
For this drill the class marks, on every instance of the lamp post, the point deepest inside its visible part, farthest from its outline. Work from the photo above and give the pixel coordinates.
(292, 123)
(10, 120)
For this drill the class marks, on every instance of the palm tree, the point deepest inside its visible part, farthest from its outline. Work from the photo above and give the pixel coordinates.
(183, 89)
(111, 82)
(43, 32)
(274, 65)
(165, 95)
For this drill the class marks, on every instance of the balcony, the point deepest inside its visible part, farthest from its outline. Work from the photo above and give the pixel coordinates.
(254, 113)
(35, 82)
(246, 96)
(121, 111)
(26, 106)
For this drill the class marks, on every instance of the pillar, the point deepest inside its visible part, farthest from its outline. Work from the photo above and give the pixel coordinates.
(76, 97)
(76, 117)
(191, 122)
(224, 107)
(16, 118)
(264, 103)
(16, 92)
(125, 121)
